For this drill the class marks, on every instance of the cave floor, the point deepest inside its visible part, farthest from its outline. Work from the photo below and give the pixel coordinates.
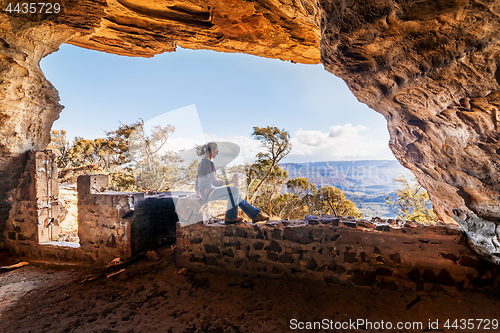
(151, 296)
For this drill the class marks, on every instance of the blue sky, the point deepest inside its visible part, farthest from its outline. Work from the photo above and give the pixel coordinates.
(230, 92)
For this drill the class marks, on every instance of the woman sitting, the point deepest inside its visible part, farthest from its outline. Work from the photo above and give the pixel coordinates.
(209, 188)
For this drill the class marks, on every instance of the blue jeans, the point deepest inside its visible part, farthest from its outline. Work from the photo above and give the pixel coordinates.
(234, 200)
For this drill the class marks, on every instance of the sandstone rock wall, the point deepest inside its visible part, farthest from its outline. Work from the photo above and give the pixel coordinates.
(28, 104)
(348, 251)
(431, 68)
(275, 29)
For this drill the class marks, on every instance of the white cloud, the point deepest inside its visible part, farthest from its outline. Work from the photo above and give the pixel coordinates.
(310, 138)
(342, 142)
(346, 131)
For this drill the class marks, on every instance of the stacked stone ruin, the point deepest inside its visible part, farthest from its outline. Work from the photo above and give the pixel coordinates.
(341, 251)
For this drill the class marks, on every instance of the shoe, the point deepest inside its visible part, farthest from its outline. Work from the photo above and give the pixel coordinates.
(233, 221)
(260, 218)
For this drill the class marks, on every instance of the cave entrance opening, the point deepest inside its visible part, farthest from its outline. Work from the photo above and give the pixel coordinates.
(56, 203)
(233, 93)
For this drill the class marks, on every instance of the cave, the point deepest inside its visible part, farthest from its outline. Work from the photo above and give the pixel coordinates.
(431, 68)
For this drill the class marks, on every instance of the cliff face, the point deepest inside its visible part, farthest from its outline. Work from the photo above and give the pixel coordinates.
(429, 66)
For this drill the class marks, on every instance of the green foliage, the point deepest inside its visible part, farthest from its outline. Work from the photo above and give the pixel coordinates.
(134, 160)
(269, 190)
(123, 181)
(70, 173)
(120, 139)
(300, 186)
(275, 141)
(289, 206)
(330, 200)
(146, 156)
(266, 181)
(99, 152)
(292, 205)
(60, 147)
(412, 203)
(277, 145)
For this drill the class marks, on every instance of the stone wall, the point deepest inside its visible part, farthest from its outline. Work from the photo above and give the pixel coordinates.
(34, 216)
(341, 251)
(104, 218)
(110, 224)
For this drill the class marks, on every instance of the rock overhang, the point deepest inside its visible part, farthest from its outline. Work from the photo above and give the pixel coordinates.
(430, 67)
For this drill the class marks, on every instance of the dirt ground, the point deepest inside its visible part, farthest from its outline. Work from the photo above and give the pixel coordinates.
(152, 295)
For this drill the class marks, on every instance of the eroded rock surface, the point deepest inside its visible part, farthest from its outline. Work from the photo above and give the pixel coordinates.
(270, 28)
(430, 67)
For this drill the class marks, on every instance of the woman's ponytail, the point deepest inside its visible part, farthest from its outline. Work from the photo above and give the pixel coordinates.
(204, 149)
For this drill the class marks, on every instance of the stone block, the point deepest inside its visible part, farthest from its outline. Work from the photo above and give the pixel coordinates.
(350, 224)
(276, 234)
(274, 247)
(286, 259)
(228, 232)
(238, 263)
(384, 271)
(240, 232)
(111, 241)
(212, 261)
(396, 257)
(469, 262)
(229, 252)
(91, 184)
(290, 234)
(254, 258)
(383, 228)
(429, 275)
(444, 277)
(311, 264)
(257, 233)
(364, 278)
(276, 270)
(350, 257)
(258, 246)
(449, 256)
(390, 285)
(305, 239)
(311, 219)
(212, 248)
(332, 279)
(272, 256)
(414, 274)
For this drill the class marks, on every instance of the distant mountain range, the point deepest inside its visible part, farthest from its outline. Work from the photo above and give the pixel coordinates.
(366, 183)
